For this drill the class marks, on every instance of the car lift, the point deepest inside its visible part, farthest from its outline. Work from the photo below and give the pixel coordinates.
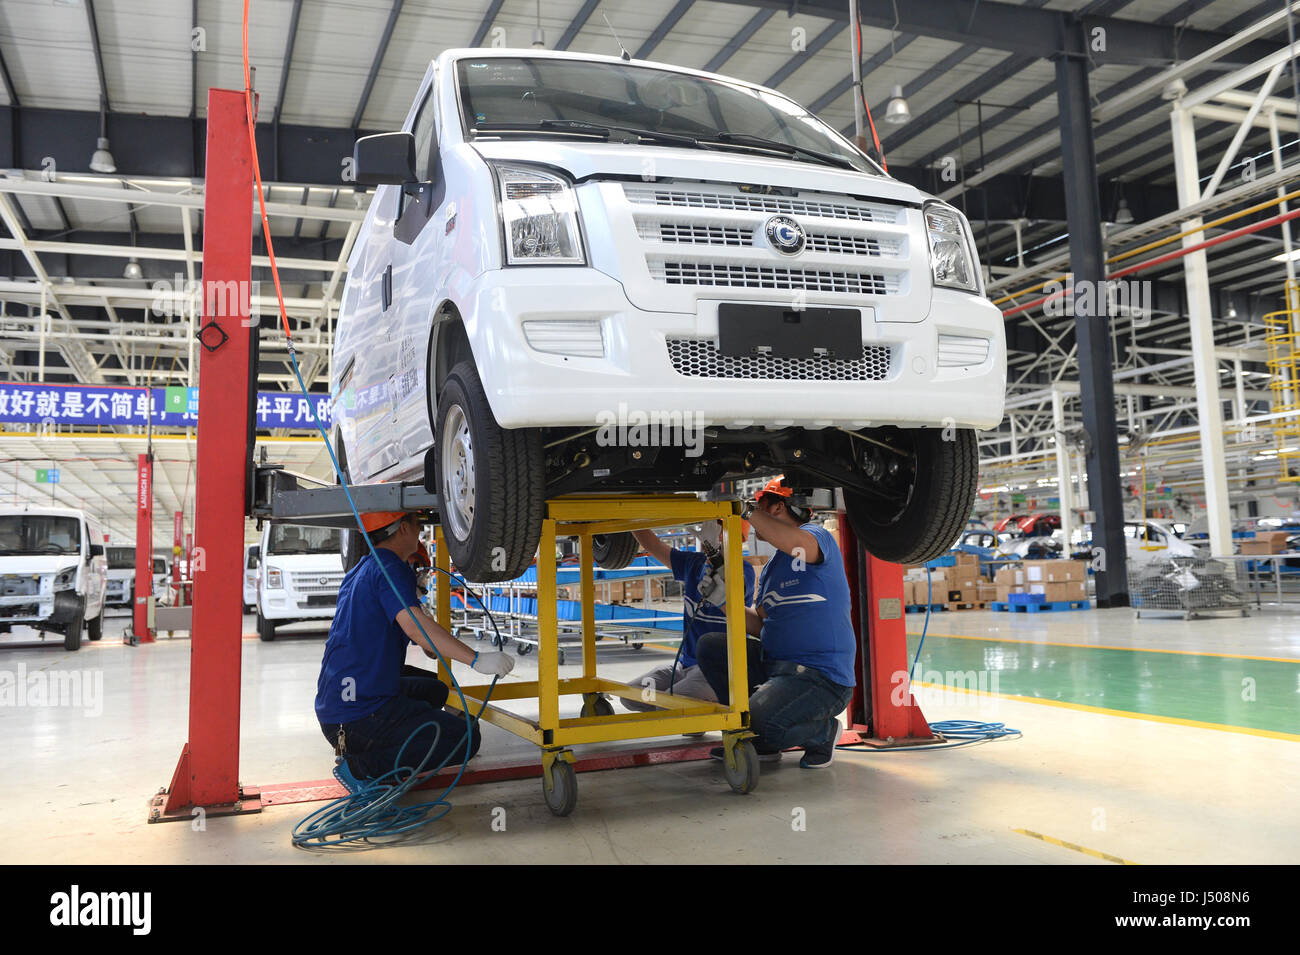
(229, 487)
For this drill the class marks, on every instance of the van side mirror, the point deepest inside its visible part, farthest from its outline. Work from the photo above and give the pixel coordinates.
(384, 159)
(96, 550)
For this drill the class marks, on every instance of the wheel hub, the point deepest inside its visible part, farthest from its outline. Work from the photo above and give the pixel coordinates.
(458, 474)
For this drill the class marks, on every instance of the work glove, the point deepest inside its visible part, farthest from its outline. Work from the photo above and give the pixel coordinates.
(713, 585)
(493, 664)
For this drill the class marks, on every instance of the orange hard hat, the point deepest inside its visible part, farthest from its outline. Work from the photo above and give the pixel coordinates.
(775, 486)
(379, 519)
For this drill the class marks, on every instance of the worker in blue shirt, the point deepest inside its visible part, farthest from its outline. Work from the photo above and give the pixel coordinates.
(702, 615)
(801, 668)
(368, 702)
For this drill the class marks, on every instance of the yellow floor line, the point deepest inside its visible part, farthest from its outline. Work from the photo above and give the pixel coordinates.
(1130, 714)
(1106, 856)
(1096, 646)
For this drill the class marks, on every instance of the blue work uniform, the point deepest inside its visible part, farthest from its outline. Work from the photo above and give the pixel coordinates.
(366, 695)
(688, 567)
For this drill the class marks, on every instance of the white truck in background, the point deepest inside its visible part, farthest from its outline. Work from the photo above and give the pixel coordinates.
(120, 588)
(53, 572)
(299, 572)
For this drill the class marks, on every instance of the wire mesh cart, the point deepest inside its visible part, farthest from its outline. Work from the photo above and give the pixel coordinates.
(1190, 586)
(583, 517)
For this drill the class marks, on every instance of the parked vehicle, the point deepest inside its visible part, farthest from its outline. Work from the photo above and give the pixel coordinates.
(564, 245)
(120, 587)
(252, 553)
(53, 572)
(299, 574)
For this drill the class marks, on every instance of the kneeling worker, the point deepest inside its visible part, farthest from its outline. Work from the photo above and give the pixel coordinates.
(368, 701)
(701, 614)
(801, 673)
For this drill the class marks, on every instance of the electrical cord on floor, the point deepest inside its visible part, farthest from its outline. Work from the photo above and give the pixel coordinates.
(369, 813)
(953, 733)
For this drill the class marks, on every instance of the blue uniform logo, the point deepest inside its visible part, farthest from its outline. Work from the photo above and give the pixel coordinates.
(785, 235)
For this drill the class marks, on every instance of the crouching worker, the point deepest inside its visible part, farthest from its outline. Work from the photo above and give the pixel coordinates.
(801, 670)
(368, 701)
(702, 615)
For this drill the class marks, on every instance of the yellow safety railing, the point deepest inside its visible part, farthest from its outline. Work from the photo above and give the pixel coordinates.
(1280, 335)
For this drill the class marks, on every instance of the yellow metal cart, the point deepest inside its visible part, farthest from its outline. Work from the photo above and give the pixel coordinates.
(583, 517)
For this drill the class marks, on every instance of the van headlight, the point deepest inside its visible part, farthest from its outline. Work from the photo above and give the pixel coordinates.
(65, 579)
(539, 216)
(952, 257)
(274, 579)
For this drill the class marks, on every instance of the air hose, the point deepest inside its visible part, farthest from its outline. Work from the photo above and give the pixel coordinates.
(371, 813)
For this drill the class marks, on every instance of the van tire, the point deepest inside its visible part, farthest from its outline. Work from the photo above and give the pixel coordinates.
(72, 635)
(354, 547)
(265, 629)
(492, 518)
(938, 506)
(614, 551)
(95, 628)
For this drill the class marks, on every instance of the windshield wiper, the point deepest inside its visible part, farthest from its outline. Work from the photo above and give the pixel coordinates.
(593, 129)
(758, 142)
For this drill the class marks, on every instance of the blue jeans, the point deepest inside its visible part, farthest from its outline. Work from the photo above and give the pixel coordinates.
(789, 704)
(373, 742)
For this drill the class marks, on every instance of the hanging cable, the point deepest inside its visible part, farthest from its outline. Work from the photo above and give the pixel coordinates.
(369, 813)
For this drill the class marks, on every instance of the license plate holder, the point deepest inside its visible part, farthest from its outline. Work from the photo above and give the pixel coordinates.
(774, 331)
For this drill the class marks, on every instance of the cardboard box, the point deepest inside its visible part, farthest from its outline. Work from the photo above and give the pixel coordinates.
(967, 562)
(1061, 591)
(1004, 593)
(987, 591)
(1265, 542)
(1053, 571)
(1009, 576)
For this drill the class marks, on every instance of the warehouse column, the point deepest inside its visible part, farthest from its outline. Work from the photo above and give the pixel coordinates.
(1196, 275)
(143, 549)
(1091, 316)
(1064, 477)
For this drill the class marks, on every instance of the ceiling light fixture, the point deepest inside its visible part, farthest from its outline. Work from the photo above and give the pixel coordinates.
(897, 112)
(1123, 215)
(133, 270)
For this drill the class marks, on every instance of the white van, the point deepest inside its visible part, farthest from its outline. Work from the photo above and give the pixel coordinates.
(53, 572)
(299, 573)
(120, 590)
(252, 552)
(580, 274)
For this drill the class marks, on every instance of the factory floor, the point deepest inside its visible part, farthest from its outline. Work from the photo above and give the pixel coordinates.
(1147, 741)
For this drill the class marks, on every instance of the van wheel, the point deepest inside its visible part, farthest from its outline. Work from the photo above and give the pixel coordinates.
(95, 629)
(614, 551)
(354, 547)
(265, 629)
(934, 490)
(72, 635)
(490, 482)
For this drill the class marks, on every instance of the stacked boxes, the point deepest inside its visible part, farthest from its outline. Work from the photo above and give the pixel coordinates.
(1058, 581)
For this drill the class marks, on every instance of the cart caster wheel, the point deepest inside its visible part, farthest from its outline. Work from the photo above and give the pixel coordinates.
(563, 794)
(744, 778)
(525, 649)
(597, 707)
(637, 646)
(561, 658)
(500, 642)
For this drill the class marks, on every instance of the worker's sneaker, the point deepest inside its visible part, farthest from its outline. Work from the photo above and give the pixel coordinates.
(823, 754)
(717, 753)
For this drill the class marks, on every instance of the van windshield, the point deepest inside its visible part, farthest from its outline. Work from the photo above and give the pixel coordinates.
(540, 95)
(121, 558)
(22, 534)
(299, 539)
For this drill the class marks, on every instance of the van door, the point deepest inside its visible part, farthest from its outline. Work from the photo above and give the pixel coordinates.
(96, 575)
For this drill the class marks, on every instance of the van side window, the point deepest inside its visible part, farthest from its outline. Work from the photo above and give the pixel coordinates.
(424, 123)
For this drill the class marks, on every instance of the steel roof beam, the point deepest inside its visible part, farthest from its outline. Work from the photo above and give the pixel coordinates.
(387, 36)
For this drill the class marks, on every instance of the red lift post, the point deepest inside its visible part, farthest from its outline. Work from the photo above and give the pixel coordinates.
(208, 772)
(143, 550)
(883, 711)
